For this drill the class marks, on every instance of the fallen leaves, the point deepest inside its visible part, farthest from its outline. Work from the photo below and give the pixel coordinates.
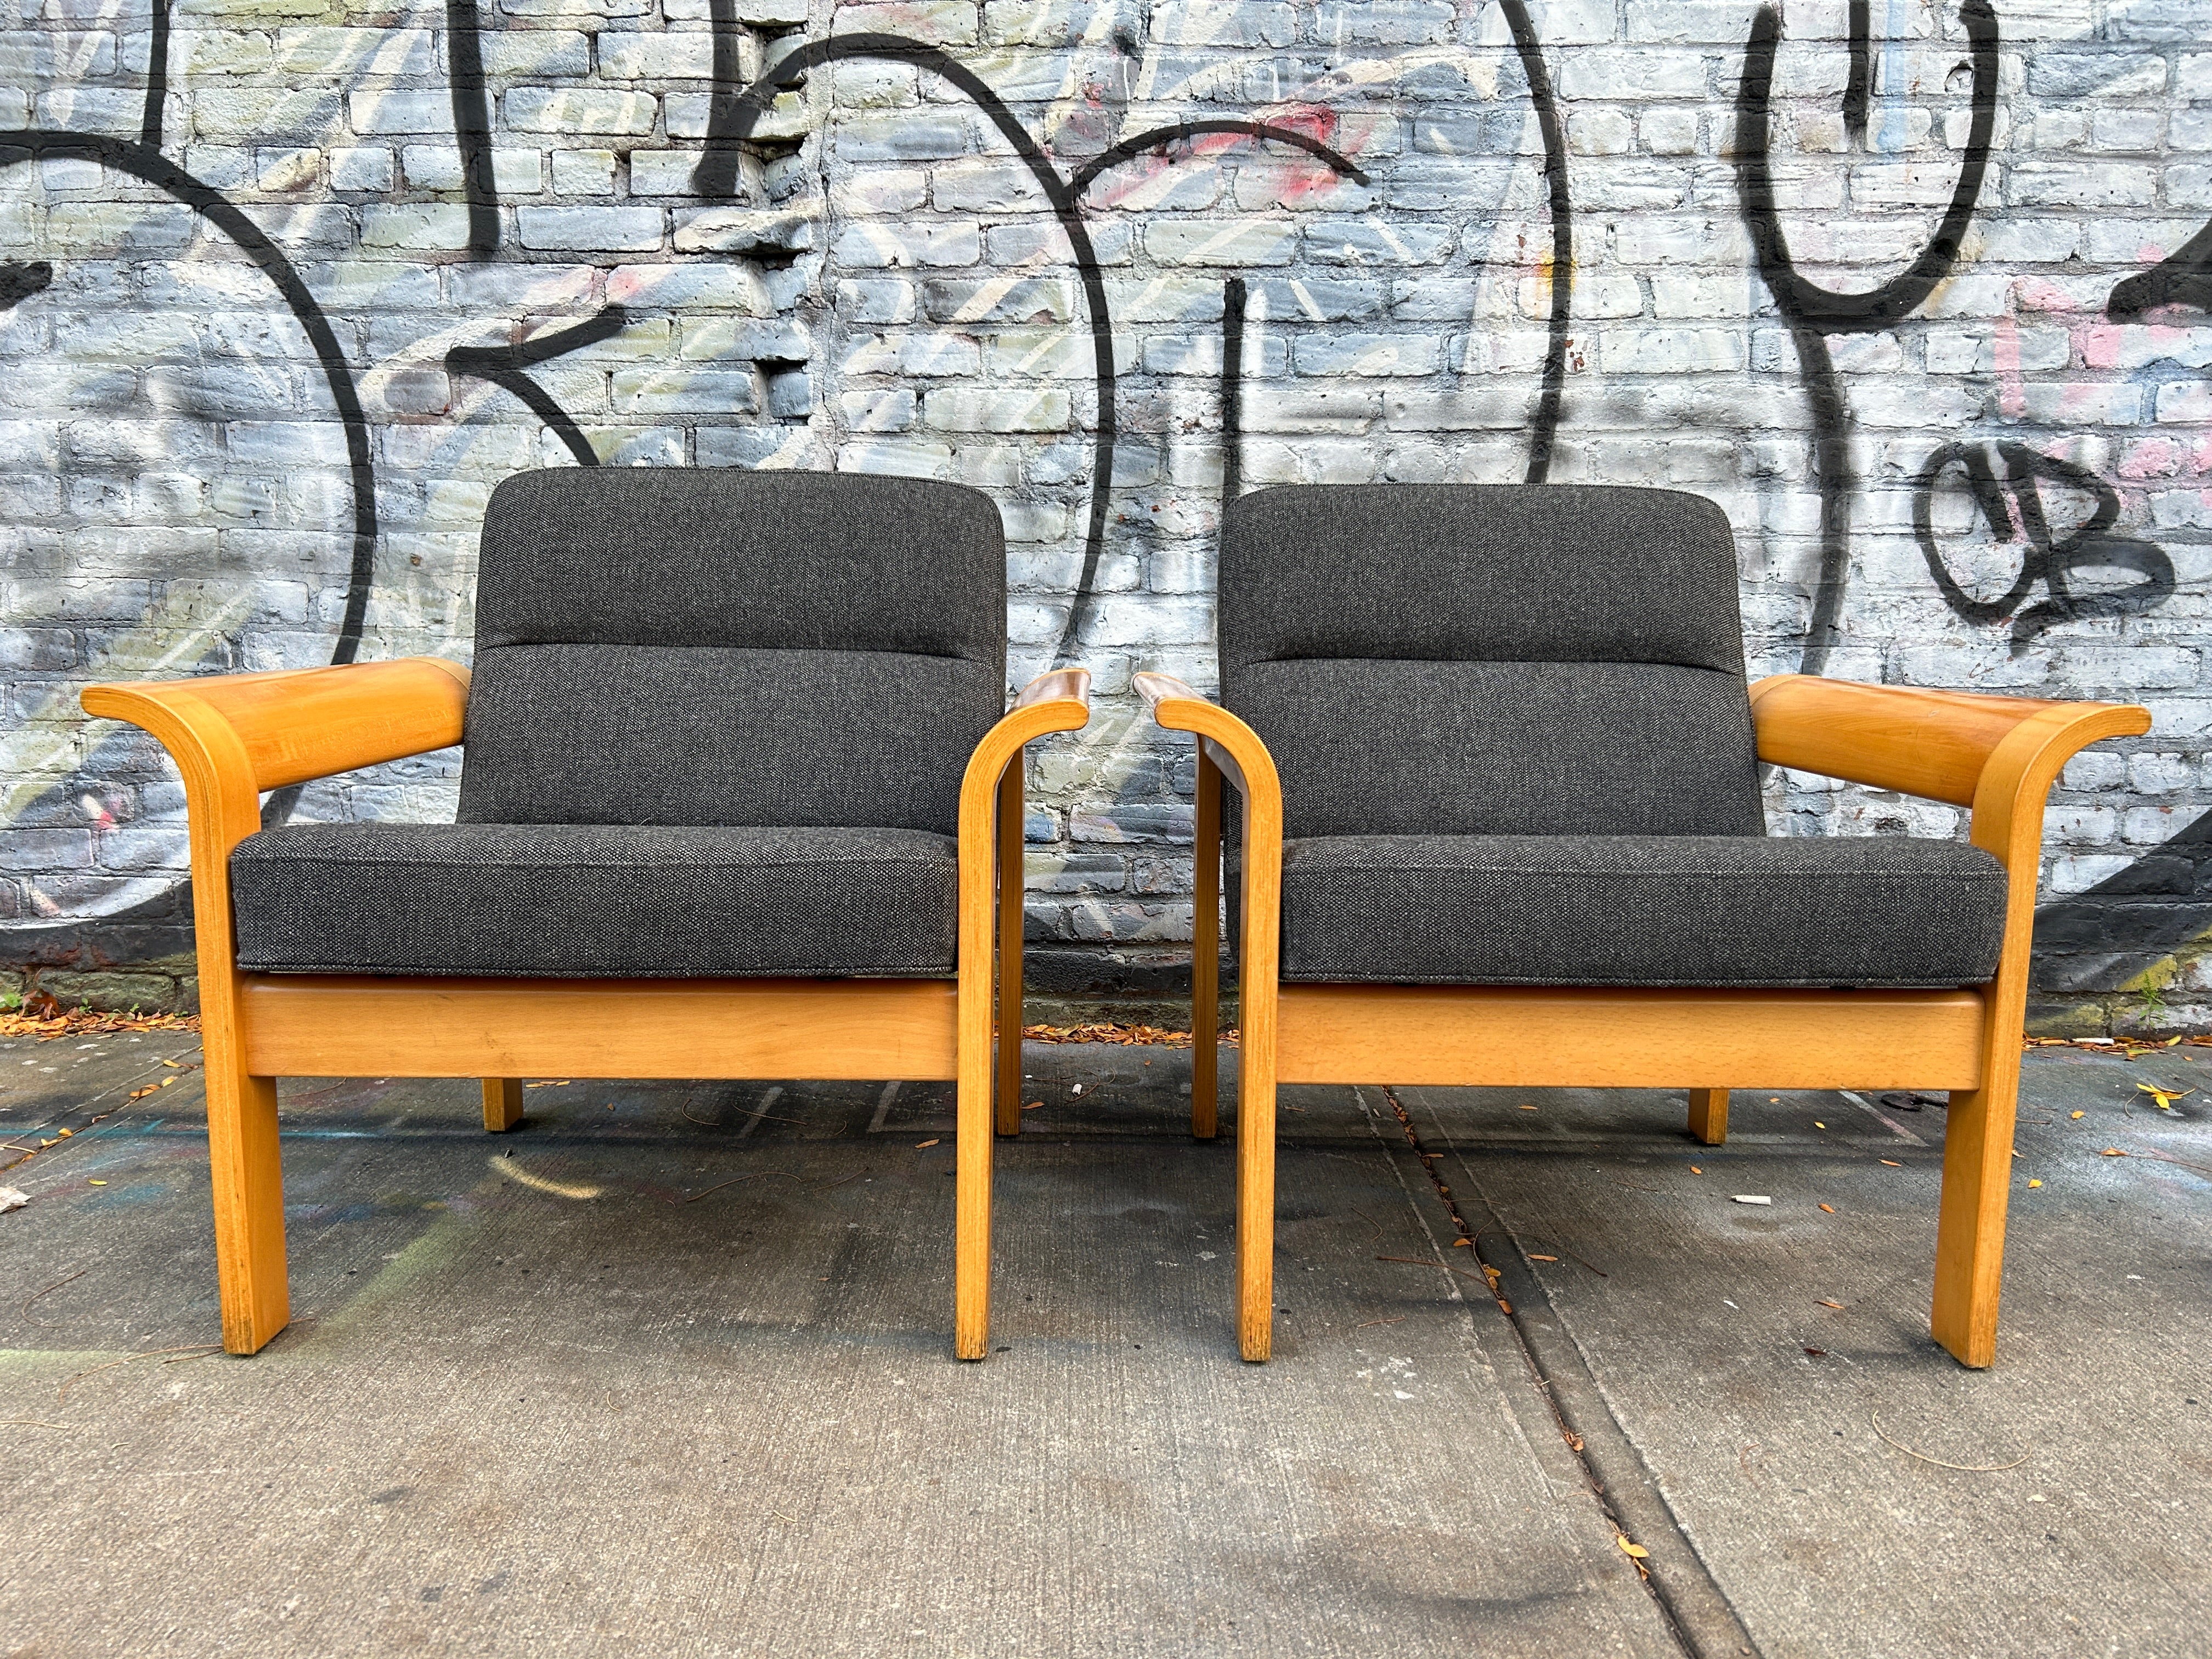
(1892, 1161)
(1830, 1208)
(1824, 1303)
(923, 1145)
(1694, 1169)
(42, 1017)
(1636, 1550)
(1127, 1037)
(1532, 1256)
(2165, 1097)
(2077, 1115)
(2035, 1183)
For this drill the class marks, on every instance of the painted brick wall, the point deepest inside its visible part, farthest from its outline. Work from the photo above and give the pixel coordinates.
(289, 286)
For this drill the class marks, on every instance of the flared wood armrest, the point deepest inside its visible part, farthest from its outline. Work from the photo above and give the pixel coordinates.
(265, 731)
(1939, 744)
(1227, 742)
(1057, 701)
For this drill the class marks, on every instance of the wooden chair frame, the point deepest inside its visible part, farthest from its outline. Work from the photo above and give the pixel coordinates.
(1997, 755)
(235, 736)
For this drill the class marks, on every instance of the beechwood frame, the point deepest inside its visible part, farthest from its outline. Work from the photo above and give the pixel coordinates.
(233, 737)
(1996, 756)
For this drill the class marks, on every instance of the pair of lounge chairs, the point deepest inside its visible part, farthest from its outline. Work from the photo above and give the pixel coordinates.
(739, 801)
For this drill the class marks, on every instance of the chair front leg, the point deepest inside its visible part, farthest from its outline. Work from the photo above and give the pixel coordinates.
(249, 1205)
(1057, 701)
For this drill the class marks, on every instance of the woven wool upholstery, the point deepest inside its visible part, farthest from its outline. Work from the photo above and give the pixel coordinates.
(1691, 910)
(1469, 660)
(562, 901)
(719, 646)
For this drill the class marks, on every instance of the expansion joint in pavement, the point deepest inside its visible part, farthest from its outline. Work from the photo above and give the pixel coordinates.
(1697, 1612)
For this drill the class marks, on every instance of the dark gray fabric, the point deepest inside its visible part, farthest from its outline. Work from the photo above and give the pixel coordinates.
(1380, 747)
(1752, 910)
(1498, 573)
(719, 646)
(1487, 659)
(722, 556)
(705, 734)
(584, 900)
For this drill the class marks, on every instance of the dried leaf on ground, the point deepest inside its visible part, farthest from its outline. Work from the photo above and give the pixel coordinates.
(932, 1141)
(2165, 1097)
(42, 1017)
(1636, 1550)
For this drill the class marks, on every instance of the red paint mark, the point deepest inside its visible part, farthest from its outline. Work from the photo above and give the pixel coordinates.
(2012, 390)
(2153, 458)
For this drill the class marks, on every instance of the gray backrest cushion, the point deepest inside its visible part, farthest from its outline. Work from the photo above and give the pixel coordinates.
(721, 647)
(1491, 659)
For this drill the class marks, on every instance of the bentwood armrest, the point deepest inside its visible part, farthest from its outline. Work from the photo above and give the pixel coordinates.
(287, 727)
(1225, 740)
(1944, 745)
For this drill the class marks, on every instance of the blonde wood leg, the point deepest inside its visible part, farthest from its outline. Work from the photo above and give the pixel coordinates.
(1206, 955)
(1708, 1115)
(1257, 988)
(249, 1203)
(502, 1103)
(1971, 1224)
(1011, 886)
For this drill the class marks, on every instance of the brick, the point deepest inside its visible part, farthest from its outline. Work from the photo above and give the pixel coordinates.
(573, 111)
(963, 410)
(612, 228)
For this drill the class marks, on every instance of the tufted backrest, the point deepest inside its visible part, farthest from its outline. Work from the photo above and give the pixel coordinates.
(678, 646)
(1491, 659)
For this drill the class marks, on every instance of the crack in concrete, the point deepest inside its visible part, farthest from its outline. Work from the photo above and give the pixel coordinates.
(1695, 1609)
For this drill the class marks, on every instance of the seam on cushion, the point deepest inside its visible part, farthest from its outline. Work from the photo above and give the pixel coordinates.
(665, 645)
(1523, 662)
(1364, 871)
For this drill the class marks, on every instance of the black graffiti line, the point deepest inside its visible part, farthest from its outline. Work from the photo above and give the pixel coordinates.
(2088, 546)
(1808, 301)
(504, 366)
(148, 165)
(1178, 131)
(1859, 87)
(733, 118)
(1839, 479)
(157, 77)
(471, 97)
(18, 283)
(151, 166)
(1543, 431)
(1814, 312)
(2183, 277)
(1232, 391)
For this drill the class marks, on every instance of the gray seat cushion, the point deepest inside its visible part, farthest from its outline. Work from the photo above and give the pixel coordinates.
(1689, 910)
(569, 901)
(1491, 659)
(677, 646)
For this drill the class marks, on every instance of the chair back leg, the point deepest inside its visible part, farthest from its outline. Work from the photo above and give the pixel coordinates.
(1012, 872)
(1206, 955)
(1709, 1115)
(502, 1103)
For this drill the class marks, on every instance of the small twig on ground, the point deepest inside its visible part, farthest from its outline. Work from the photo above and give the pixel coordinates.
(1874, 1418)
(717, 1187)
(36, 1423)
(62, 1393)
(1365, 1323)
(1368, 1219)
(55, 1286)
(1416, 1261)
